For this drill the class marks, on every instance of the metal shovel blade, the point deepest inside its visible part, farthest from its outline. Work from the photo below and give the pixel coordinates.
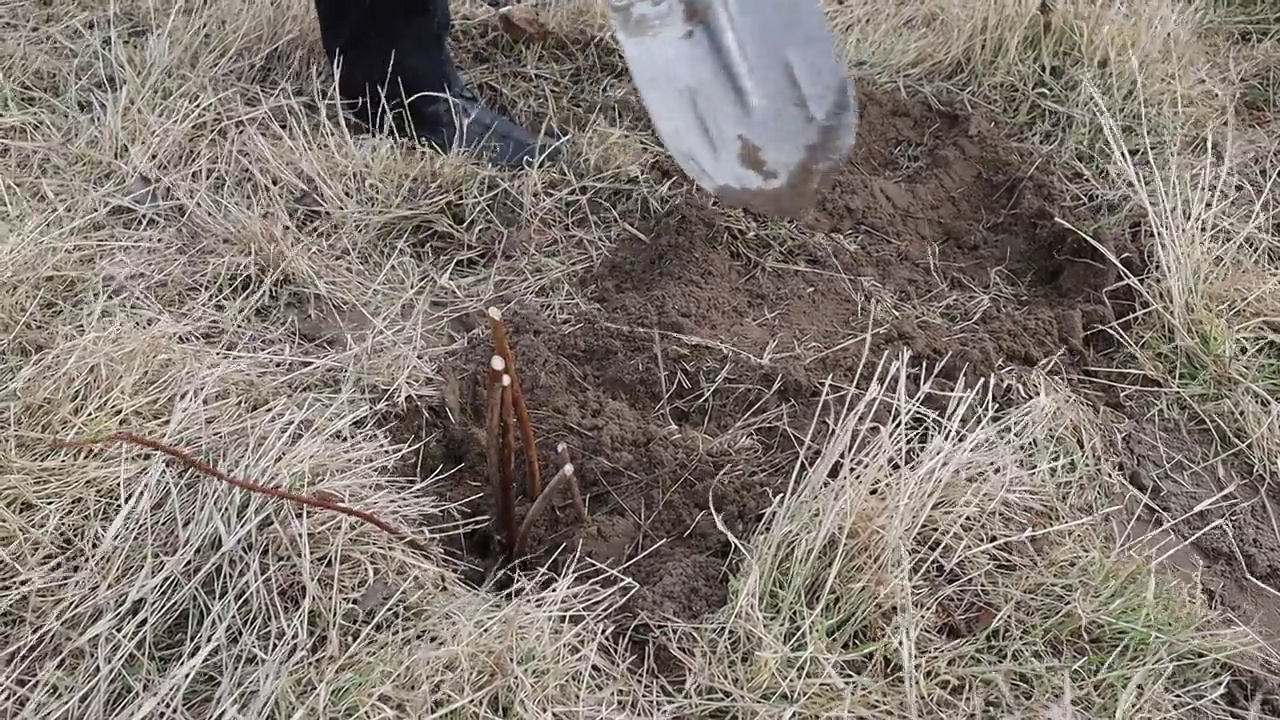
(750, 97)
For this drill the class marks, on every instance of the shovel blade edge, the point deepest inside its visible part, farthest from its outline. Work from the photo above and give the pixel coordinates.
(750, 97)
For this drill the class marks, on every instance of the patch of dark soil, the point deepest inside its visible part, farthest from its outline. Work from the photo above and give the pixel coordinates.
(1224, 515)
(661, 433)
(683, 396)
(938, 220)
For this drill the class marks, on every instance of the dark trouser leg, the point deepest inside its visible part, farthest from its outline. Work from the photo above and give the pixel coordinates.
(388, 53)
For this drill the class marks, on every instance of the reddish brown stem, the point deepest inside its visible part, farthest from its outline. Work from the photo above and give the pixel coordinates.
(504, 493)
(207, 469)
(502, 346)
(508, 497)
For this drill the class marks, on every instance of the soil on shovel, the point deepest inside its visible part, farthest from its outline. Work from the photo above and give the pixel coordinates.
(684, 396)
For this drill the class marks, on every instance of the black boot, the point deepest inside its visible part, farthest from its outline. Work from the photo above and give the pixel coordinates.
(394, 69)
(465, 121)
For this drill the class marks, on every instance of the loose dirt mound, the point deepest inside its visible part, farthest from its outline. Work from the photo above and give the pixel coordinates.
(939, 236)
(684, 396)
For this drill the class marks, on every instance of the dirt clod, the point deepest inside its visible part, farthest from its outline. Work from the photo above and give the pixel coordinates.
(521, 23)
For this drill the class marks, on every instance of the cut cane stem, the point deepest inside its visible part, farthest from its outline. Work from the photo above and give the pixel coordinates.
(508, 496)
(504, 491)
(540, 506)
(502, 346)
(579, 507)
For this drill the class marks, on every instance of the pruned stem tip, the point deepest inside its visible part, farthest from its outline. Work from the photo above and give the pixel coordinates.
(502, 348)
(575, 490)
(500, 480)
(540, 505)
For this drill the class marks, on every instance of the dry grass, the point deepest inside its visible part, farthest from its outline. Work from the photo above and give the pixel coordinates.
(157, 268)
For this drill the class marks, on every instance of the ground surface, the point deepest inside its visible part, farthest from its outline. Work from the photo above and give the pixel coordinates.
(704, 354)
(992, 432)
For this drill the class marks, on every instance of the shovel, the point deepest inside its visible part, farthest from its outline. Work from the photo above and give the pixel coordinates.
(750, 97)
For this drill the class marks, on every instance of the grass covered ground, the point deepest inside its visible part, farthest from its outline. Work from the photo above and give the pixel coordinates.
(196, 249)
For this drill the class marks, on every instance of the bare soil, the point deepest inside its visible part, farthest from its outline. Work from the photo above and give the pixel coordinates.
(1225, 512)
(940, 236)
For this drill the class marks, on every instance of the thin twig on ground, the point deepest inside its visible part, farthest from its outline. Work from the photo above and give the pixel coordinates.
(502, 347)
(205, 468)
